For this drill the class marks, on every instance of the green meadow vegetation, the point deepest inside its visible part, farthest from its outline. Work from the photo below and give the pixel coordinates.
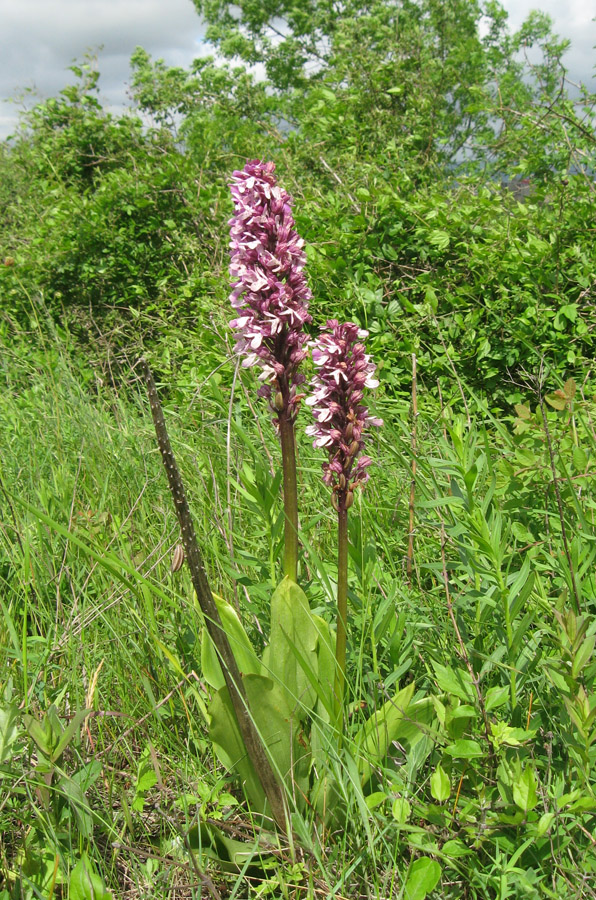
(442, 170)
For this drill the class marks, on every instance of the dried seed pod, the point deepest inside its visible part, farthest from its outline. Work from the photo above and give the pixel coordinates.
(354, 446)
(349, 499)
(177, 557)
(279, 401)
(342, 481)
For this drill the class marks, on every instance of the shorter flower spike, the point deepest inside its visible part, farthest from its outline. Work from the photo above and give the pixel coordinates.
(269, 289)
(344, 370)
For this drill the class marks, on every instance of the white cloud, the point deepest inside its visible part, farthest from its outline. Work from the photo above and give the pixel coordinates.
(41, 38)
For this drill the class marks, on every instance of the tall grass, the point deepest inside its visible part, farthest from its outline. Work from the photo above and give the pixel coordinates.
(494, 780)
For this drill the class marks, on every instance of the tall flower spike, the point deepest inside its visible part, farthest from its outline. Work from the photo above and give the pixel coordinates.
(270, 290)
(344, 370)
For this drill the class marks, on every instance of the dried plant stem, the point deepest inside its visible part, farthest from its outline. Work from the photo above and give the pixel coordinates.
(342, 611)
(413, 445)
(288, 453)
(551, 454)
(250, 736)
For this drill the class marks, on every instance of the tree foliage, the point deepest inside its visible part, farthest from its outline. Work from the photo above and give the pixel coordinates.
(443, 168)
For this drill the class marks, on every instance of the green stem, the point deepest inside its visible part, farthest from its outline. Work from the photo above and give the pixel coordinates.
(288, 454)
(508, 630)
(342, 611)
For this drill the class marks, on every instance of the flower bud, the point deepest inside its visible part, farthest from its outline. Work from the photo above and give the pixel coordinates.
(177, 558)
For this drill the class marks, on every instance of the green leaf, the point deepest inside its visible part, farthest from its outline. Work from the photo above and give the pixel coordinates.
(85, 883)
(244, 654)
(463, 749)
(495, 697)
(69, 733)
(583, 655)
(78, 802)
(440, 786)
(146, 779)
(40, 732)
(292, 649)
(439, 239)
(272, 711)
(544, 823)
(376, 799)
(378, 733)
(423, 877)
(525, 793)
(9, 717)
(455, 681)
(401, 810)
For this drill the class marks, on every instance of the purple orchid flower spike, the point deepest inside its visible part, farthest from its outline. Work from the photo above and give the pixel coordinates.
(341, 419)
(270, 290)
(344, 370)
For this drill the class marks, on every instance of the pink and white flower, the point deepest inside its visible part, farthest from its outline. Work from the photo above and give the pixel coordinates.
(270, 289)
(344, 370)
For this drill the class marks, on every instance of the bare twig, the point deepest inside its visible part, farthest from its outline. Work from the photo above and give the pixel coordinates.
(248, 731)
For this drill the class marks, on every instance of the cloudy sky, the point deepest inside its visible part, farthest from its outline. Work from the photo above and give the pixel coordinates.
(41, 38)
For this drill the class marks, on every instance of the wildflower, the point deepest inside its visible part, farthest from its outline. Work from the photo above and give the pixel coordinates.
(344, 370)
(269, 290)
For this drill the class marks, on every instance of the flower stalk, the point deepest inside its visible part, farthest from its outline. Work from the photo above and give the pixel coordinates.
(288, 455)
(341, 420)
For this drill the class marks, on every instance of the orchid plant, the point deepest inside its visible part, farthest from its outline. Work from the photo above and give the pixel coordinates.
(294, 696)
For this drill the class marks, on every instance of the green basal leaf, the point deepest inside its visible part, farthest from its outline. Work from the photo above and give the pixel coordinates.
(292, 650)
(213, 842)
(272, 712)
(378, 733)
(85, 883)
(248, 661)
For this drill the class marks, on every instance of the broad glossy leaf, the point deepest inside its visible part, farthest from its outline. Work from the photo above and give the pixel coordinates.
(292, 649)
(280, 732)
(246, 658)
